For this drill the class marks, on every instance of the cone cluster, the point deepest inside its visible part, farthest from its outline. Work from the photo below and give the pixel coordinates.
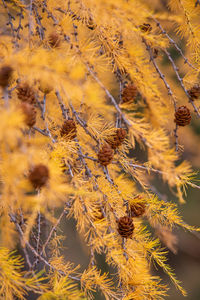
(105, 155)
(125, 227)
(30, 113)
(182, 116)
(5, 75)
(39, 176)
(118, 138)
(129, 93)
(25, 93)
(69, 129)
(194, 92)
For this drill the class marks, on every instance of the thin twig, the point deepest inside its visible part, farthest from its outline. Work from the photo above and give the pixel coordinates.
(18, 227)
(10, 18)
(197, 3)
(82, 123)
(124, 247)
(43, 132)
(181, 82)
(114, 102)
(44, 107)
(174, 43)
(38, 18)
(170, 93)
(52, 231)
(38, 234)
(176, 138)
(65, 111)
(162, 76)
(6, 97)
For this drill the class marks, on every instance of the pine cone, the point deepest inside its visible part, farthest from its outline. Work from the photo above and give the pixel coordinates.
(137, 209)
(182, 116)
(54, 40)
(69, 128)
(39, 176)
(105, 155)
(30, 113)
(125, 227)
(129, 93)
(145, 27)
(118, 138)
(25, 93)
(194, 92)
(5, 75)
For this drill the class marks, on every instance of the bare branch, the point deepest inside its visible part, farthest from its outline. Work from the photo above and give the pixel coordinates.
(174, 44)
(162, 76)
(114, 102)
(181, 82)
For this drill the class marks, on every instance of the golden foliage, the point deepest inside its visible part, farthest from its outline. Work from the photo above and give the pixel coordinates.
(74, 59)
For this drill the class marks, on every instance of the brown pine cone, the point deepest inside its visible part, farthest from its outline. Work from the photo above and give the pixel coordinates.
(182, 116)
(69, 129)
(39, 176)
(129, 93)
(194, 92)
(117, 139)
(30, 113)
(25, 93)
(54, 40)
(137, 209)
(145, 27)
(105, 155)
(5, 75)
(125, 227)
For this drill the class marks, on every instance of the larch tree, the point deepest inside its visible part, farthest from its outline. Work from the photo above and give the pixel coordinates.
(82, 86)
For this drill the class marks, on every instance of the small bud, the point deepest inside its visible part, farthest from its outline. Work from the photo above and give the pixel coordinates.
(90, 24)
(145, 27)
